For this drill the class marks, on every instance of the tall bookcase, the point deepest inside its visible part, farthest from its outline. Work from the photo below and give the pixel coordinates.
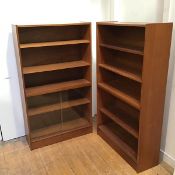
(132, 65)
(54, 65)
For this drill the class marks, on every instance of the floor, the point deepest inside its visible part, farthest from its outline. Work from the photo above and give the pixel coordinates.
(85, 155)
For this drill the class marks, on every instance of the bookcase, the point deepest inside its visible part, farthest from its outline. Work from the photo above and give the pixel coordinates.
(54, 67)
(132, 65)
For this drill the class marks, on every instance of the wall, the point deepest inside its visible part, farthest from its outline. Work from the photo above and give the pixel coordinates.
(35, 12)
(156, 11)
(168, 141)
(138, 10)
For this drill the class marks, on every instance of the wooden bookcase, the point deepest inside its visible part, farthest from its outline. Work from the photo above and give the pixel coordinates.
(132, 65)
(54, 65)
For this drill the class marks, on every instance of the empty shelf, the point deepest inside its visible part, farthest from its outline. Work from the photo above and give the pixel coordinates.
(57, 106)
(55, 43)
(56, 87)
(52, 67)
(119, 143)
(123, 49)
(120, 122)
(121, 95)
(122, 72)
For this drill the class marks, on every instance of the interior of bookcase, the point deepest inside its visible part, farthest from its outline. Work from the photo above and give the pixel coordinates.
(53, 55)
(123, 63)
(120, 112)
(122, 36)
(120, 63)
(121, 84)
(56, 69)
(52, 33)
(51, 77)
(119, 136)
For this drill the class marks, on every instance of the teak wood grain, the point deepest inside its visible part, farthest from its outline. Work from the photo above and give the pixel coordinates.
(155, 69)
(155, 41)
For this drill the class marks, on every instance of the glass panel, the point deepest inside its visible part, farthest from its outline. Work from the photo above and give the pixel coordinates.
(58, 112)
(44, 113)
(75, 108)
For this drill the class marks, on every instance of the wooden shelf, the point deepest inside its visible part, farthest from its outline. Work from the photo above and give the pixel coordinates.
(52, 67)
(57, 106)
(123, 49)
(120, 122)
(55, 43)
(56, 87)
(59, 128)
(121, 95)
(122, 72)
(118, 142)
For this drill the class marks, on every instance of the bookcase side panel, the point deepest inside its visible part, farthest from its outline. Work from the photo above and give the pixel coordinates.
(21, 80)
(155, 68)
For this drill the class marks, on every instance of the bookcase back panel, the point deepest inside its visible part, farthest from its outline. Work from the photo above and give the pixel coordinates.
(52, 33)
(75, 117)
(43, 100)
(52, 55)
(132, 37)
(121, 133)
(122, 60)
(59, 121)
(38, 79)
(74, 94)
(120, 83)
(46, 120)
(120, 108)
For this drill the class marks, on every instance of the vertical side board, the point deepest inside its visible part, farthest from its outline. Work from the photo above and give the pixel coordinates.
(88, 56)
(98, 60)
(21, 80)
(155, 68)
(90, 69)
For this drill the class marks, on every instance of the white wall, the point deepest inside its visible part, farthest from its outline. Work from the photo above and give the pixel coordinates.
(156, 11)
(35, 12)
(138, 10)
(168, 141)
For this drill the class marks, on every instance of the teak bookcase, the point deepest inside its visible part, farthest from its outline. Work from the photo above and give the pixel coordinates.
(132, 65)
(54, 65)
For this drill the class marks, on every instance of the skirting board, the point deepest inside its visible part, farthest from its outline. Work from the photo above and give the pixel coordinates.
(167, 158)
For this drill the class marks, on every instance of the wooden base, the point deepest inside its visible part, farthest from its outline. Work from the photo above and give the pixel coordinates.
(60, 137)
